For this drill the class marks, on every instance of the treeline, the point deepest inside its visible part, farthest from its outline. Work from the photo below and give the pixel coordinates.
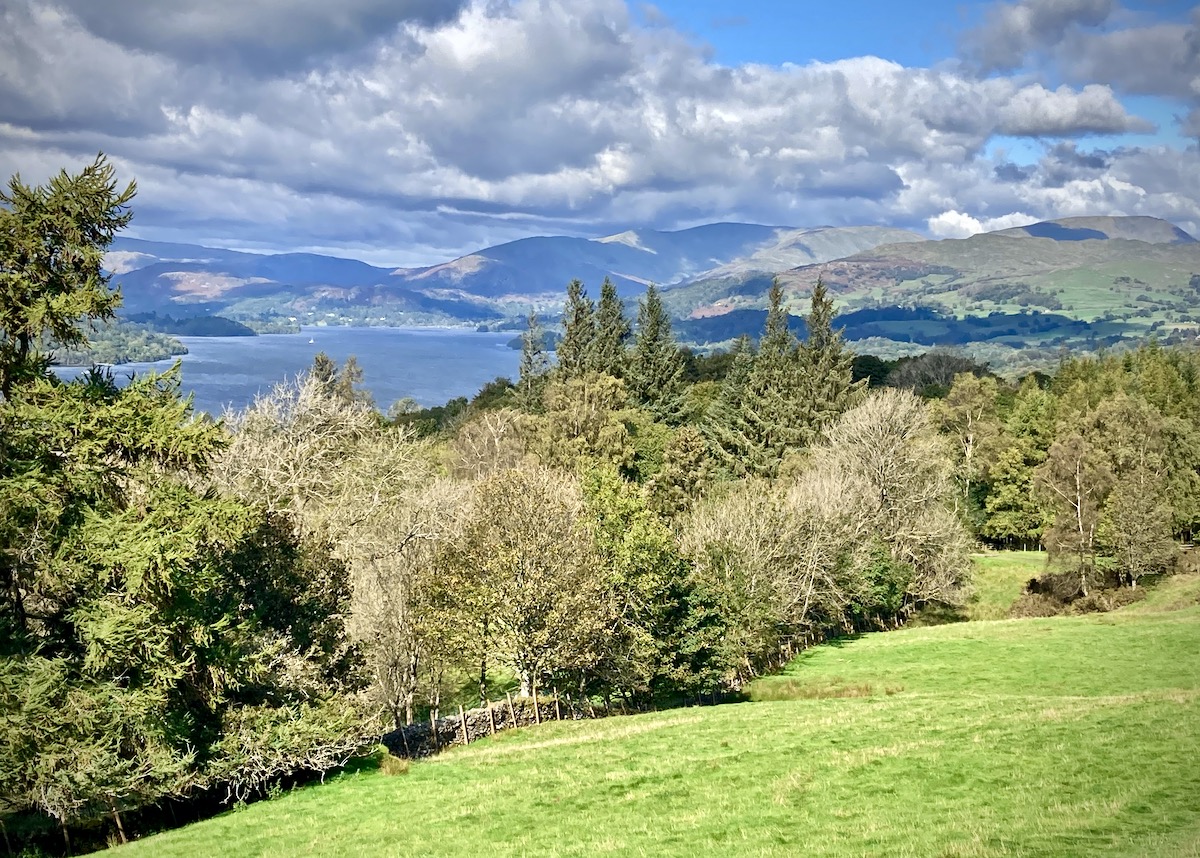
(1100, 464)
(196, 611)
(116, 342)
(628, 522)
(922, 325)
(193, 326)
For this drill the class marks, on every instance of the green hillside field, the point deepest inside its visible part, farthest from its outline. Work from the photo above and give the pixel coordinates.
(1048, 737)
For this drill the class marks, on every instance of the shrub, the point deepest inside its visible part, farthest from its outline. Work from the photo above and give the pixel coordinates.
(1035, 605)
(1101, 601)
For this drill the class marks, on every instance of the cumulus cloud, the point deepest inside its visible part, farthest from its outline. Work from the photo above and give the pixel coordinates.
(1010, 31)
(1094, 42)
(437, 127)
(263, 35)
(956, 224)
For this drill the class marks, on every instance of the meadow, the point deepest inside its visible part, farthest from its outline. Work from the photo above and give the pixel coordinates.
(1057, 737)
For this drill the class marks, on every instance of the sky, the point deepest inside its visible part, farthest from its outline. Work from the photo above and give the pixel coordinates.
(409, 132)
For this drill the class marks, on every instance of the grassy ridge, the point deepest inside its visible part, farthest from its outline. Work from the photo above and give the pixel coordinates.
(1066, 736)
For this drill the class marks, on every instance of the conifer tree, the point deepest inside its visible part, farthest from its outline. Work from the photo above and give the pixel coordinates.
(773, 409)
(612, 332)
(52, 243)
(825, 368)
(535, 363)
(579, 331)
(727, 424)
(656, 365)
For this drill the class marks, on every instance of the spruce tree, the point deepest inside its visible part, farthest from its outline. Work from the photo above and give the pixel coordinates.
(774, 404)
(579, 331)
(612, 332)
(656, 366)
(535, 363)
(727, 425)
(825, 367)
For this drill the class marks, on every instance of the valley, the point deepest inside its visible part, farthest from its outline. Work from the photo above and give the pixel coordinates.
(1014, 297)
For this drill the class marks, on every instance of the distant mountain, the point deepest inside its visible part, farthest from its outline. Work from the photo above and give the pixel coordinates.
(1148, 229)
(1086, 280)
(505, 280)
(1120, 277)
(185, 280)
(542, 266)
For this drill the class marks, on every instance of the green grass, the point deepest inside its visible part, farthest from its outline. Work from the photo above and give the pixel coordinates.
(1057, 737)
(999, 577)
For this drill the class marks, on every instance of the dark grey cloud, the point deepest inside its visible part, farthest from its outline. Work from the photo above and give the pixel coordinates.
(1011, 31)
(1065, 163)
(1010, 172)
(862, 180)
(262, 35)
(465, 126)
(1163, 59)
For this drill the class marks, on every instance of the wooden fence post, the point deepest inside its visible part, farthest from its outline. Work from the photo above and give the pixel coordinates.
(433, 730)
(462, 717)
(537, 715)
(557, 709)
(512, 713)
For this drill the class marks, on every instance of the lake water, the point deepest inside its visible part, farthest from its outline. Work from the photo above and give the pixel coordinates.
(432, 365)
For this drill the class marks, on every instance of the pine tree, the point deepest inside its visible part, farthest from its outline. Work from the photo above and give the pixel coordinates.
(656, 365)
(612, 332)
(579, 331)
(778, 343)
(535, 364)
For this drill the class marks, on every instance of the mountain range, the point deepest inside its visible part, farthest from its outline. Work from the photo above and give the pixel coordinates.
(1115, 276)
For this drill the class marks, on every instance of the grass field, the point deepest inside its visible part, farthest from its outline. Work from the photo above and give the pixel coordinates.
(1056, 737)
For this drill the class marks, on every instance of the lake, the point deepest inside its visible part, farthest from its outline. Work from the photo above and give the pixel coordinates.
(432, 365)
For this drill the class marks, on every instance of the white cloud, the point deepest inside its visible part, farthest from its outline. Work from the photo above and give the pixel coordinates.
(956, 224)
(434, 127)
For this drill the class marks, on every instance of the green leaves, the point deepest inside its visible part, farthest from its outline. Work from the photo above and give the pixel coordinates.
(141, 607)
(52, 243)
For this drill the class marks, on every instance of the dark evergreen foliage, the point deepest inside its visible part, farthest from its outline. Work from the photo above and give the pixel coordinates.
(579, 331)
(655, 373)
(612, 333)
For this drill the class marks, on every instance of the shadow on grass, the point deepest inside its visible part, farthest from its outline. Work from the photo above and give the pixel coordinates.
(830, 689)
(937, 615)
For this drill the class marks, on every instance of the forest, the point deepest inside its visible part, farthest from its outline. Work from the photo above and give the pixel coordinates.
(196, 610)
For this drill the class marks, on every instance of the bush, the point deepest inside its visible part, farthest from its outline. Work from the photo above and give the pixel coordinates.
(1035, 605)
(1102, 601)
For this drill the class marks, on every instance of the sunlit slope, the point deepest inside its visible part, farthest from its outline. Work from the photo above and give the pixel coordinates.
(1066, 736)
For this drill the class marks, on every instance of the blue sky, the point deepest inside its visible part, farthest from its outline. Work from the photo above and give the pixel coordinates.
(408, 132)
(798, 31)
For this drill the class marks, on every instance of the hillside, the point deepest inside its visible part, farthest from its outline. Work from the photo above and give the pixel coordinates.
(1089, 280)
(1012, 297)
(504, 280)
(1148, 229)
(1072, 736)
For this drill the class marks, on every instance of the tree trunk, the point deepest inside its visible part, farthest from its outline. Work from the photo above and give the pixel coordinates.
(120, 828)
